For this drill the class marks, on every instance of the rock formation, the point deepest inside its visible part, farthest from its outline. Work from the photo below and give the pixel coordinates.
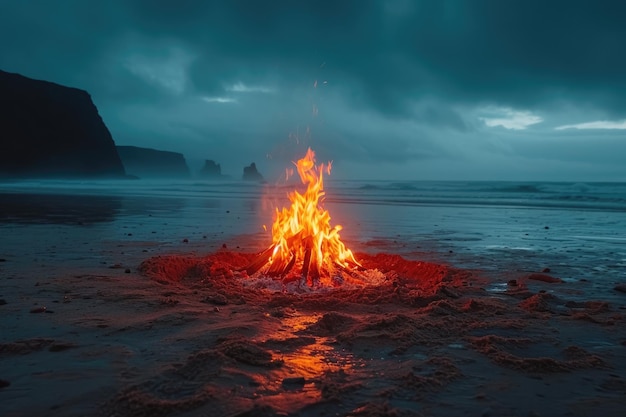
(146, 162)
(48, 130)
(250, 173)
(211, 169)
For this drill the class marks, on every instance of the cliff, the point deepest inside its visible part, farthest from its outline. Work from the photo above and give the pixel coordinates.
(48, 130)
(146, 162)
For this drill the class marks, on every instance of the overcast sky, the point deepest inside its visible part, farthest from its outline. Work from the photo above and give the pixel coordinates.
(433, 89)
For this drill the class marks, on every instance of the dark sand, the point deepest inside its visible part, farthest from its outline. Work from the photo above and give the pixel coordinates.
(184, 335)
(129, 307)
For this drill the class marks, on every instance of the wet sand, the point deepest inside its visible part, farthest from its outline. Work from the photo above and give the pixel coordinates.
(126, 319)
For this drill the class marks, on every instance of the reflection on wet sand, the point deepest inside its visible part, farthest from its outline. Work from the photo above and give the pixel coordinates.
(57, 208)
(74, 209)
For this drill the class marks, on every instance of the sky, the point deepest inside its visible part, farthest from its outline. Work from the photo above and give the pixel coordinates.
(526, 90)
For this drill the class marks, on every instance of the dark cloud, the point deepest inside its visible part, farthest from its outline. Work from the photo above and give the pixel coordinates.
(417, 72)
(485, 49)
(516, 53)
(521, 52)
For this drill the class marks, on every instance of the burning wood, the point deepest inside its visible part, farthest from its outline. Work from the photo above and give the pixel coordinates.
(260, 261)
(304, 243)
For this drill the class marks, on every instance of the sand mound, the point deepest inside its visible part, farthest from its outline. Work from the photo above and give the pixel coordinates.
(391, 278)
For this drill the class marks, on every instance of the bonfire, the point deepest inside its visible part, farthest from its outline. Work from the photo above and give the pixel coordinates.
(304, 244)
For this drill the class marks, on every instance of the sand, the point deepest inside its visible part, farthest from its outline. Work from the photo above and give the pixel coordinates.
(185, 334)
(137, 309)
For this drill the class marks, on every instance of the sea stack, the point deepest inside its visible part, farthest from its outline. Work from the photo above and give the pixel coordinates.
(211, 169)
(250, 173)
(49, 130)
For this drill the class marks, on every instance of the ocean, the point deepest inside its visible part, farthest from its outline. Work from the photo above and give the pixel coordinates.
(577, 231)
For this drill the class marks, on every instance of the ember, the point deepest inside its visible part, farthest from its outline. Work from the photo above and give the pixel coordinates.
(304, 243)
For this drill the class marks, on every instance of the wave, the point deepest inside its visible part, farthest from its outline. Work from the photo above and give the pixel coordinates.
(600, 196)
(574, 195)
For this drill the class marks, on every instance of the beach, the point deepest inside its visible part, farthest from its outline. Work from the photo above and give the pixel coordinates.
(491, 299)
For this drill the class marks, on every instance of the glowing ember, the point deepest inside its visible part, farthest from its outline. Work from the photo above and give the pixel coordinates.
(304, 243)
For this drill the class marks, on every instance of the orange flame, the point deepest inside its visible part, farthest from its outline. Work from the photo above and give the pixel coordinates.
(303, 240)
